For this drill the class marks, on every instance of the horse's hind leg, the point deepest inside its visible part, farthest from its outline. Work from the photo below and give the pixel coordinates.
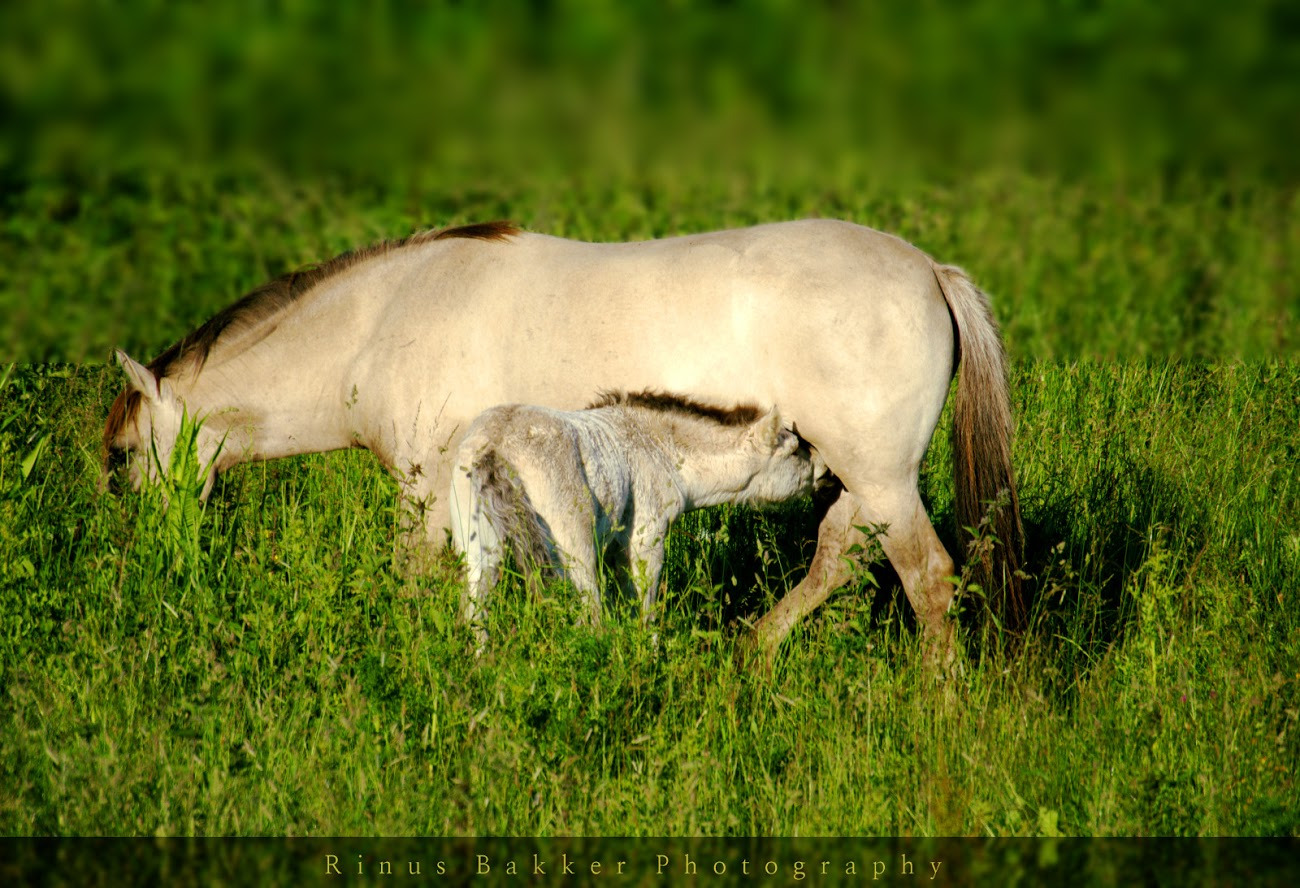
(923, 566)
(827, 572)
(910, 544)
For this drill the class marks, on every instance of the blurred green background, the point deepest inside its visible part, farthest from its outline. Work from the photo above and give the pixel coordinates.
(1120, 175)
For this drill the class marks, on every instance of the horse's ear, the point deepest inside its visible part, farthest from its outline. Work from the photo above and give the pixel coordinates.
(142, 379)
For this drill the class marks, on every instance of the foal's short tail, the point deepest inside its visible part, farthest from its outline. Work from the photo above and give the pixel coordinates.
(506, 507)
(981, 441)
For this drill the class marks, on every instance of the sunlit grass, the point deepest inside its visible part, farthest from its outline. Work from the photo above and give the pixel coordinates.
(295, 683)
(1120, 179)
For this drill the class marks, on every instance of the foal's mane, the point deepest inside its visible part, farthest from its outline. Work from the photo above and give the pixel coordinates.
(268, 301)
(668, 402)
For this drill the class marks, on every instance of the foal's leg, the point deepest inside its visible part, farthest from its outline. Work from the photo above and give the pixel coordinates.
(474, 537)
(645, 556)
(484, 571)
(579, 556)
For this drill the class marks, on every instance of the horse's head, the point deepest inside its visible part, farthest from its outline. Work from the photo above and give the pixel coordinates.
(142, 429)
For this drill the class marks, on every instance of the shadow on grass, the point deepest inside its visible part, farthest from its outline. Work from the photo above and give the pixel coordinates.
(1082, 549)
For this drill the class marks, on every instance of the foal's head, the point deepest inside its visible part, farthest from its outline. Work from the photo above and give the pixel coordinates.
(774, 463)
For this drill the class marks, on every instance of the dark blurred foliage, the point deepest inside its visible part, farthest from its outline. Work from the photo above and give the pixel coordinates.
(1121, 175)
(1080, 89)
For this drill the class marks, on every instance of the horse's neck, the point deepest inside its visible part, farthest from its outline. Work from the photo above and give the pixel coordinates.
(266, 412)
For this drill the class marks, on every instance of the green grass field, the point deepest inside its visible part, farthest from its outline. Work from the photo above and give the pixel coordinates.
(257, 665)
(267, 671)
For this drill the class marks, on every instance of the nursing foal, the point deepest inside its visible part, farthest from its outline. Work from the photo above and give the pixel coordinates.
(562, 489)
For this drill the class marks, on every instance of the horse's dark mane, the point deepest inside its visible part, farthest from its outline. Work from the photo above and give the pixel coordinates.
(269, 300)
(667, 402)
(274, 296)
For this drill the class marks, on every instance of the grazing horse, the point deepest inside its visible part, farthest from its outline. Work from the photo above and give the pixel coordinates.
(564, 488)
(396, 348)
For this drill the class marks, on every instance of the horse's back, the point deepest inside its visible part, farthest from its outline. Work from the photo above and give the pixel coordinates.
(532, 268)
(719, 314)
(844, 327)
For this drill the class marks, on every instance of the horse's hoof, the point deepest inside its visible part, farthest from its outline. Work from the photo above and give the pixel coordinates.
(754, 652)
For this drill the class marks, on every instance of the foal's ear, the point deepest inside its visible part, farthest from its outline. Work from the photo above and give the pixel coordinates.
(767, 431)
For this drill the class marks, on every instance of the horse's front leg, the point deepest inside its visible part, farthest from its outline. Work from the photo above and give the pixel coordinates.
(423, 517)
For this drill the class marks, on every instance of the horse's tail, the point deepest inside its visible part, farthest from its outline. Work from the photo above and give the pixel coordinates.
(506, 506)
(981, 441)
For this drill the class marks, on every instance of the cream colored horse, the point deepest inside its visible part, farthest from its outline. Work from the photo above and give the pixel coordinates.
(397, 347)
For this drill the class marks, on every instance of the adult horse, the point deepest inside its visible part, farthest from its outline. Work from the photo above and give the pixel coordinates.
(851, 332)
